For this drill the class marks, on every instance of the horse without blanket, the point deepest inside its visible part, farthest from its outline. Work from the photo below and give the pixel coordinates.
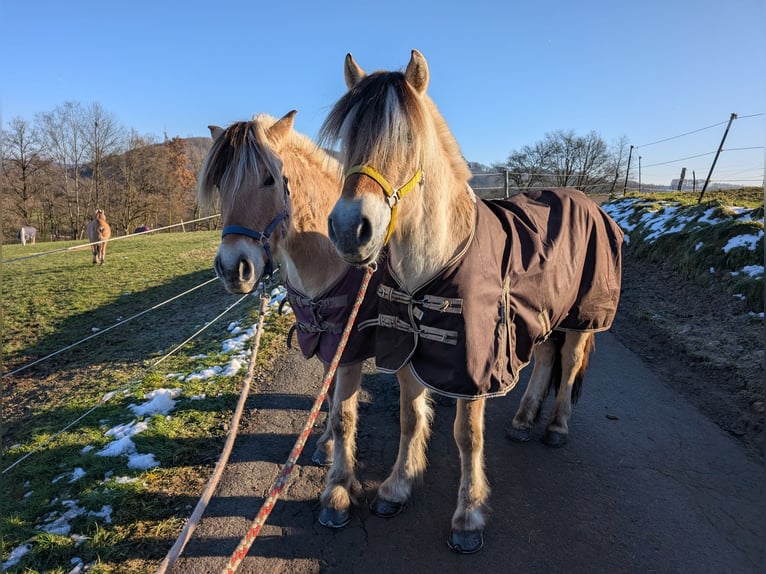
(474, 288)
(27, 234)
(99, 232)
(277, 188)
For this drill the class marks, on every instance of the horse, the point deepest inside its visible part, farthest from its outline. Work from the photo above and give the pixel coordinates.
(473, 289)
(276, 190)
(27, 234)
(99, 232)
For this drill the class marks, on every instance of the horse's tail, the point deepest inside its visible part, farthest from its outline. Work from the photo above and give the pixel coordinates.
(558, 338)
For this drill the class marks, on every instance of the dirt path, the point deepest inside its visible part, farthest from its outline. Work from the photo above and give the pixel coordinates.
(647, 483)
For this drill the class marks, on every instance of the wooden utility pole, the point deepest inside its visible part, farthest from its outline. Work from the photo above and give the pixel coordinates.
(715, 159)
(627, 171)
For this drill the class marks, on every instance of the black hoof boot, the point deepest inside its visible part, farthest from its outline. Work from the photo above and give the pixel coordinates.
(385, 508)
(321, 458)
(519, 435)
(465, 541)
(331, 518)
(555, 439)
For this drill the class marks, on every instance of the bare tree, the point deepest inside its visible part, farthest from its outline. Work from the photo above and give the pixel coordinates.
(562, 159)
(22, 161)
(103, 136)
(62, 132)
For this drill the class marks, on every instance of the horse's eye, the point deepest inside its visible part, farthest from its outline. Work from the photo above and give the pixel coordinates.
(269, 180)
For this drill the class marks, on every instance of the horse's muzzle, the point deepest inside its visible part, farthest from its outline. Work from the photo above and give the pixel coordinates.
(240, 278)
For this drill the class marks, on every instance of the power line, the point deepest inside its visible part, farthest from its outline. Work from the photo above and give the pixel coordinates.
(698, 130)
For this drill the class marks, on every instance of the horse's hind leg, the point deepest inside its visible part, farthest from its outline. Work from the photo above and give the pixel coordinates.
(574, 361)
(536, 391)
(342, 488)
(415, 417)
(323, 454)
(468, 520)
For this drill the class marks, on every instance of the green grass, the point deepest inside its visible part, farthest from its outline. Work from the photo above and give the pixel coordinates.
(53, 301)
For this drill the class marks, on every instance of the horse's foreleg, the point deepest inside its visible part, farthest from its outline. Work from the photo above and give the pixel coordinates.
(535, 393)
(342, 486)
(323, 455)
(468, 520)
(574, 361)
(415, 417)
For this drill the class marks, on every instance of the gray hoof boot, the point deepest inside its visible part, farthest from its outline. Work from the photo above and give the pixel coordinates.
(465, 541)
(331, 518)
(385, 508)
(555, 439)
(519, 435)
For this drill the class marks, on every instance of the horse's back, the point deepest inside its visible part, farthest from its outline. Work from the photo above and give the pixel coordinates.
(565, 251)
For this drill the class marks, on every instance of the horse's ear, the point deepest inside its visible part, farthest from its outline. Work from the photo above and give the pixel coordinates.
(352, 72)
(281, 128)
(417, 72)
(215, 132)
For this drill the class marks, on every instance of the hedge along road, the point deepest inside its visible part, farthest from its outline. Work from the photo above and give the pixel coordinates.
(645, 484)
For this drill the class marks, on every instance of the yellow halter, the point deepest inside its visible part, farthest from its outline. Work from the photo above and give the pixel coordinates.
(393, 196)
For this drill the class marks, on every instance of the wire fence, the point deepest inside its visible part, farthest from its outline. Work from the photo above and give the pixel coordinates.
(739, 164)
(94, 337)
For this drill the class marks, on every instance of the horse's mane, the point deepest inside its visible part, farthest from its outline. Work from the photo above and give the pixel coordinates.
(385, 132)
(236, 152)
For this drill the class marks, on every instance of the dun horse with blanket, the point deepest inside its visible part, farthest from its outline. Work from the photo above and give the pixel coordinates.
(277, 188)
(473, 288)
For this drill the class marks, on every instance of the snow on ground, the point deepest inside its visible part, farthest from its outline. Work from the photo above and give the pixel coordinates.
(160, 401)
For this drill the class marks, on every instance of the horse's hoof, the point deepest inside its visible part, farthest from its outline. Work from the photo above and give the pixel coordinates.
(331, 518)
(555, 439)
(465, 541)
(519, 435)
(385, 508)
(321, 458)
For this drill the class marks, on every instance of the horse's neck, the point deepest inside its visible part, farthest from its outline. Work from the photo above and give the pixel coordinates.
(309, 261)
(426, 243)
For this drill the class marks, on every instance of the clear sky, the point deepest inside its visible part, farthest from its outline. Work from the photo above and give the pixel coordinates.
(503, 73)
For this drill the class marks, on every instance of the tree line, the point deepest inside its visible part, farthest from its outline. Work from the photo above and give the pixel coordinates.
(66, 163)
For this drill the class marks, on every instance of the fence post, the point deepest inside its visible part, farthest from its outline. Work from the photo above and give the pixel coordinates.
(715, 159)
(681, 179)
(627, 171)
(507, 191)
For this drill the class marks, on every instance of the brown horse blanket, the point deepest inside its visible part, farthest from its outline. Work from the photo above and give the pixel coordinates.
(319, 322)
(549, 259)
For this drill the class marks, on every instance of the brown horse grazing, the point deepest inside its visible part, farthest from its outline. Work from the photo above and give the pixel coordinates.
(277, 189)
(473, 288)
(99, 232)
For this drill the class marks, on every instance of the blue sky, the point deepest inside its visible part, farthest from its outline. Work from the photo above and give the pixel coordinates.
(503, 73)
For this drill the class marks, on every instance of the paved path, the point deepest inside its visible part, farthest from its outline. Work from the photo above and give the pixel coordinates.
(646, 484)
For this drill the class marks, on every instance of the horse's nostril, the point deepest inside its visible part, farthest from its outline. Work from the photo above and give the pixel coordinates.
(218, 267)
(331, 230)
(246, 270)
(364, 231)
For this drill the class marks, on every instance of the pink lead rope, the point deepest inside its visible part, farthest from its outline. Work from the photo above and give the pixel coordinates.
(268, 505)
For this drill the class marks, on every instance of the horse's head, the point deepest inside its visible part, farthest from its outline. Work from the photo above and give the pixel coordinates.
(245, 168)
(384, 127)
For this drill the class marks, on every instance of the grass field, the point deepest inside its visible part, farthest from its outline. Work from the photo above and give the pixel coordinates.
(64, 500)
